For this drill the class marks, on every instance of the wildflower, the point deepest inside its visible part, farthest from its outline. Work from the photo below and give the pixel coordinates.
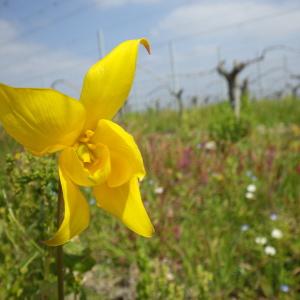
(210, 145)
(273, 217)
(186, 158)
(276, 233)
(249, 173)
(170, 276)
(92, 201)
(249, 195)
(151, 182)
(159, 190)
(245, 227)
(254, 178)
(284, 288)
(96, 152)
(260, 240)
(269, 250)
(251, 188)
(17, 155)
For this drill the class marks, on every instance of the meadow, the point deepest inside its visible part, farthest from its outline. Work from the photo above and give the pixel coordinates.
(223, 195)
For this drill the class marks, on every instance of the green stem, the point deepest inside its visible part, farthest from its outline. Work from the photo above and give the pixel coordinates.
(59, 249)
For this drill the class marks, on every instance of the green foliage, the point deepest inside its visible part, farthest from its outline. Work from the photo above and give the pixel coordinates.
(156, 280)
(205, 245)
(28, 202)
(230, 129)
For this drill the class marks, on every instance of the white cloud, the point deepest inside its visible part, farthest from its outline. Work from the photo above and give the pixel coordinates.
(29, 63)
(205, 31)
(204, 24)
(211, 16)
(6, 31)
(115, 3)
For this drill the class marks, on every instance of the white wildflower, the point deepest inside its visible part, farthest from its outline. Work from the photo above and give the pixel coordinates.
(251, 188)
(159, 190)
(276, 233)
(269, 250)
(211, 145)
(273, 216)
(245, 227)
(170, 276)
(249, 195)
(261, 240)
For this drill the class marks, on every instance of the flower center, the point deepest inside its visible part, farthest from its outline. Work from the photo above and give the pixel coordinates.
(85, 148)
(86, 137)
(94, 157)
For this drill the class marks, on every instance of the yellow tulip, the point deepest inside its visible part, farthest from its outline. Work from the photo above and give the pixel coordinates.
(95, 152)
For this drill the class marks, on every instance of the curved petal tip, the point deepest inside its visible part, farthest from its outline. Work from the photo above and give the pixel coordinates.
(146, 44)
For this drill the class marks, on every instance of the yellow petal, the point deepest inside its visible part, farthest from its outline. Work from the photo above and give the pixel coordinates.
(107, 84)
(126, 159)
(42, 120)
(125, 203)
(86, 174)
(76, 212)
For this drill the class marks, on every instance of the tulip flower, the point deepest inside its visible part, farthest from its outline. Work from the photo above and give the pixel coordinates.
(94, 151)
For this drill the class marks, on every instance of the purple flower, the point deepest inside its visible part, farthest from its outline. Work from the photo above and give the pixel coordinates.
(245, 227)
(284, 288)
(273, 216)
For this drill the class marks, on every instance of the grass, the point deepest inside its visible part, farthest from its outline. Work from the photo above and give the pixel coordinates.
(199, 168)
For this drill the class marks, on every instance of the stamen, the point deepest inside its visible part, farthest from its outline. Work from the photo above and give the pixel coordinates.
(87, 136)
(89, 133)
(83, 153)
(91, 146)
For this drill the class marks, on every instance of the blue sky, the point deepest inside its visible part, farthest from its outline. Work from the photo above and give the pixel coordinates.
(42, 41)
